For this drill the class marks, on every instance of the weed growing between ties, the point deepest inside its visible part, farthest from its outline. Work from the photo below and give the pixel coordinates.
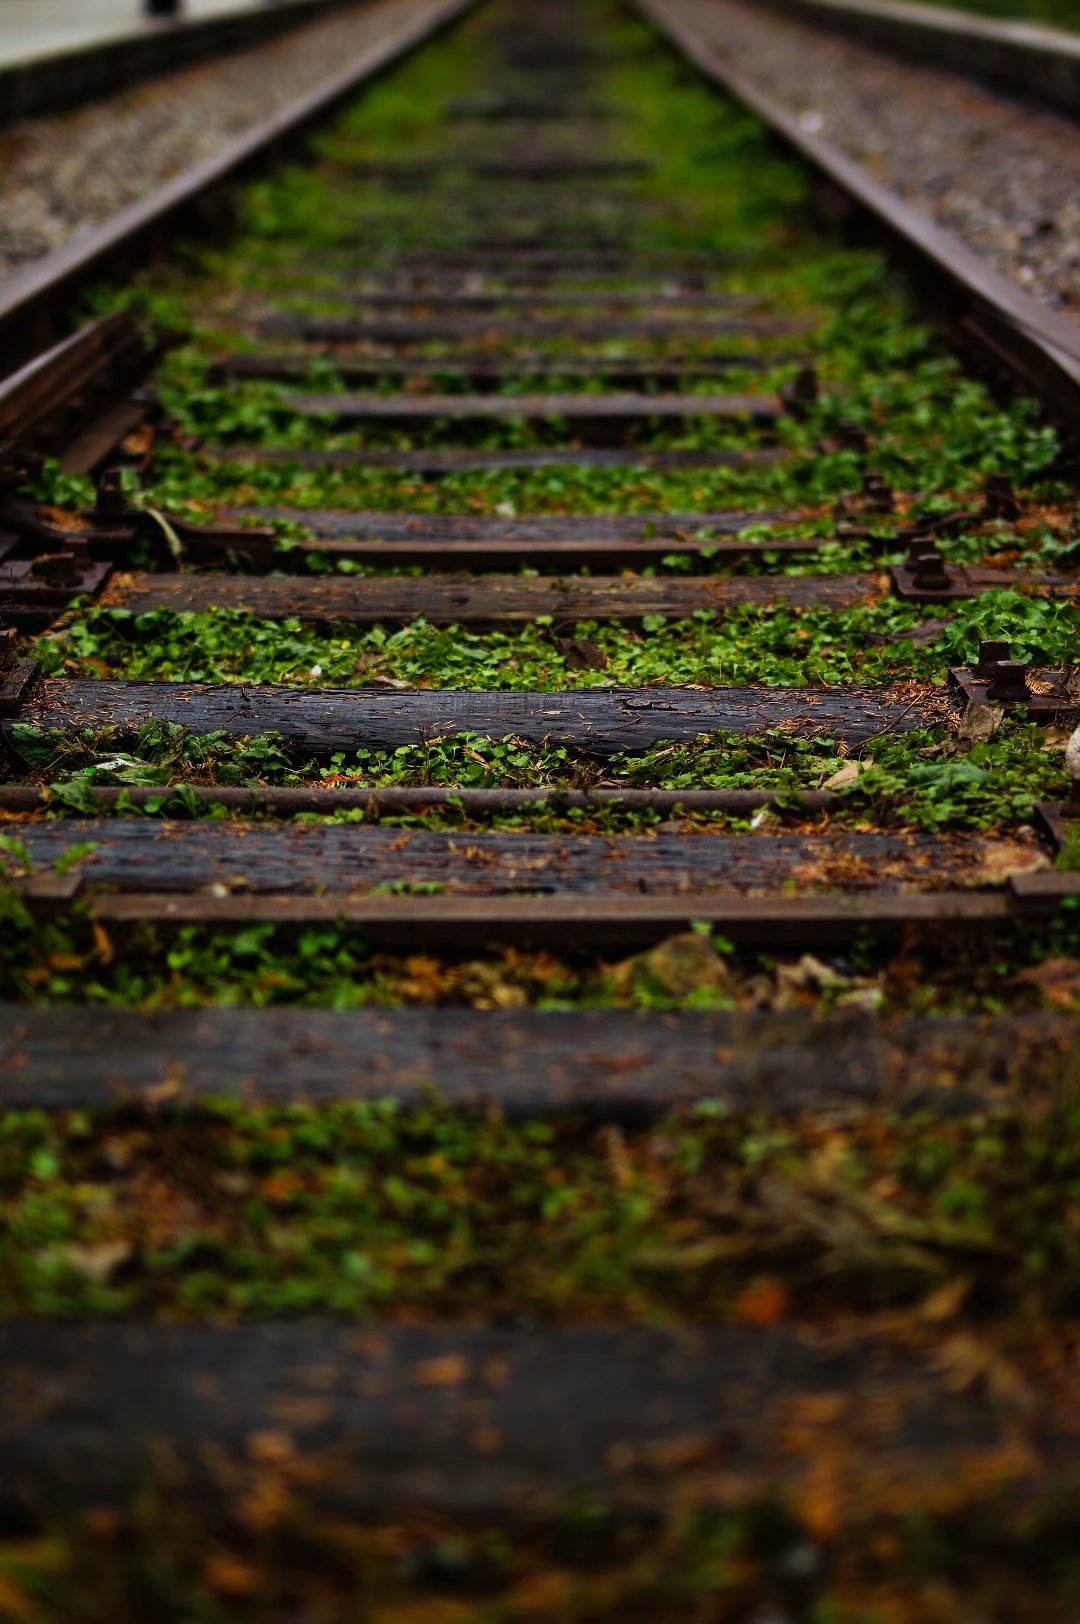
(778, 645)
(927, 779)
(71, 956)
(584, 1564)
(934, 1214)
(357, 1210)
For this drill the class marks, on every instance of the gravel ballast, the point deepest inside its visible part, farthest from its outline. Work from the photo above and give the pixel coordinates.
(63, 174)
(1002, 176)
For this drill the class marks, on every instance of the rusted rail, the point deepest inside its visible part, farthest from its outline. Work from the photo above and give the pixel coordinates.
(1039, 347)
(34, 303)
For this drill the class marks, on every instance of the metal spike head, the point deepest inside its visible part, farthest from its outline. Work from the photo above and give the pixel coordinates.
(1008, 685)
(61, 568)
(852, 436)
(877, 494)
(802, 392)
(991, 653)
(112, 502)
(1001, 500)
(929, 573)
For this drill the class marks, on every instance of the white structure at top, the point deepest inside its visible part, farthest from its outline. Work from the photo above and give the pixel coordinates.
(35, 28)
(1072, 760)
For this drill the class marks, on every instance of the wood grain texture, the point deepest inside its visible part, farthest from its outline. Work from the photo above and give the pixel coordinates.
(150, 854)
(497, 1421)
(598, 721)
(489, 601)
(634, 298)
(616, 1065)
(436, 461)
(621, 527)
(482, 372)
(439, 329)
(456, 540)
(576, 411)
(568, 925)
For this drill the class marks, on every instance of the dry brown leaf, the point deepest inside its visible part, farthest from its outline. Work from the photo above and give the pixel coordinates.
(100, 1263)
(1005, 858)
(763, 1302)
(847, 774)
(448, 1371)
(1057, 979)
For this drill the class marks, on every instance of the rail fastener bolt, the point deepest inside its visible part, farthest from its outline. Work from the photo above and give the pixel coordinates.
(800, 395)
(59, 569)
(991, 654)
(1001, 500)
(877, 494)
(852, 436)
(1009, 685)
(929, 572)
(112, 502)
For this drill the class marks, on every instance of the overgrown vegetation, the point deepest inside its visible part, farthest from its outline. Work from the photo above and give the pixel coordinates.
(951, 1230)
(236, 1211)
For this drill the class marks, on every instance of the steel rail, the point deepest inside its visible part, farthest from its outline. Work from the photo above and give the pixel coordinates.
(1008, 327)
(1028, 59)
(69, 75)
(375, 801)
(34, 302)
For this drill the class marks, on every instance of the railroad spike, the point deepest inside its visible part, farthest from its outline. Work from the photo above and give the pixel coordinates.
(930, 573)
(851, 436)
(877, 494)
(113, 503)
(120, 519)
(1009, 684)
(991, 655)
(800, 396)
(1001, 502)
(61, 569)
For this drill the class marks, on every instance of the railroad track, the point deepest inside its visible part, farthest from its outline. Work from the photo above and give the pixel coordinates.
(552, 640)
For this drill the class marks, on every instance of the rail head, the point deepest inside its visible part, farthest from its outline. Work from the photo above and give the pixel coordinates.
(51, 399)
(1027, 59)
(35, 302)
(1039, 348)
